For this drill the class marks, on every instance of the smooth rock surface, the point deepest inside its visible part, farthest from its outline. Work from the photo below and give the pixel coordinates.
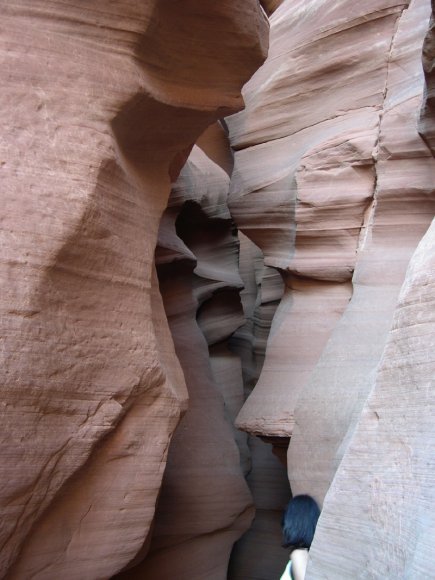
(401, 211)
(377, 519)
(95, 126)
(204, 504)
(304, 177)
(332, 184)
(335, 185)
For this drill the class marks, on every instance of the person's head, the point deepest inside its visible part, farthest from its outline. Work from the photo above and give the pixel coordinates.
(299, 522)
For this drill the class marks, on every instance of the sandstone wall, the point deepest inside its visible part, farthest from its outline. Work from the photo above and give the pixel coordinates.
(382, 492)
(378, 520)
(402, 209)
(102, 102)
(427, 117)
(334, 183)
(204, 504)
(332, 189)
(259, 552)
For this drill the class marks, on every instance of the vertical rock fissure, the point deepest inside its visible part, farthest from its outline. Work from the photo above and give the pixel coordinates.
(370, 212)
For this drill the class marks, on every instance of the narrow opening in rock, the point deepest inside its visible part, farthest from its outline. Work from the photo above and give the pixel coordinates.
(260, 547)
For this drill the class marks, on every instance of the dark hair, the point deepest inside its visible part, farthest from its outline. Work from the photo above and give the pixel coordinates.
(299, 522)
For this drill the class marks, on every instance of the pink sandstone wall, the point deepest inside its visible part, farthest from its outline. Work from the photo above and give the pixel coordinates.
(334, 180)
(383, 489)
(378, 520)
(334, 183)
(124, 368)
(427, 115)
(402, 209)
(204, 504)
(102, 103)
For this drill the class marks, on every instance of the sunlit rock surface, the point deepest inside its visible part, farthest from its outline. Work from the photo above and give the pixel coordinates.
(102, 103)
(402, 209)
(383, 489)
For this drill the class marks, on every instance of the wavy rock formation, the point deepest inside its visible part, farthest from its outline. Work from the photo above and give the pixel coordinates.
(335, 185)
(103, 102)
(386, 507)
(135, 317)
(382, 496)
(205, 504)
(259, 552)
(401, 211)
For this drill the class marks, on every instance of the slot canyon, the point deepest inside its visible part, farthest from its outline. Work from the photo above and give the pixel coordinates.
(217, 287)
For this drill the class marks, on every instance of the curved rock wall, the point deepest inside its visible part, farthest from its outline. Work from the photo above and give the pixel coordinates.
(332, 189)
(377, 520)
(335, 185)
(259, 552)
(402, 209)
(204, 504)
(427, 118)
(102, 102)
(382, 492)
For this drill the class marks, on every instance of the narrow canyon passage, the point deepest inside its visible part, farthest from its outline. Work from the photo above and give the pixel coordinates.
(218, 287)
(322, 210)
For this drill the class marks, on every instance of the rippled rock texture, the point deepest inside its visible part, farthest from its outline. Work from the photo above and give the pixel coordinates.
(334, 183)
(427, 118)
(101, 102)
(204, 504)
(124, 367)
(381, 496)
(334, 180)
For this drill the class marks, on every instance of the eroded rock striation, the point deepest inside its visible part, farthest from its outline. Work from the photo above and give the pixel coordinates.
(334, 183)
(401, 211)
(383, 491)
(103, 102)
(204, 504)
(135, 317)
(427, 117)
